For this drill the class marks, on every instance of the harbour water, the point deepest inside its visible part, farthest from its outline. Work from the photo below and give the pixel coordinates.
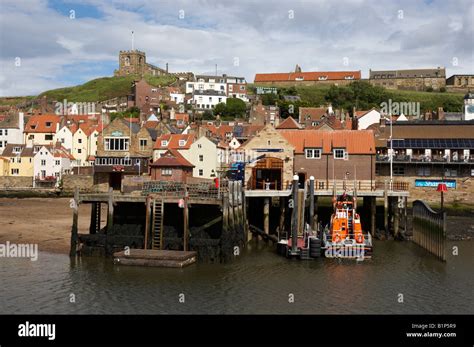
(256, 282)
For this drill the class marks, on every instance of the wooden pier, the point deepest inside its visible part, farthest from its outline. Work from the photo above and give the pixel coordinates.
(165, 216)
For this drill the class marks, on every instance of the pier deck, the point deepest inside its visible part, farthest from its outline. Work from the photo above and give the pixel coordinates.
(158, 258)
(261, 193)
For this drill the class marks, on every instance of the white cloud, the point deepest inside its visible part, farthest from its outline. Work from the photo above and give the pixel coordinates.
(260, 33)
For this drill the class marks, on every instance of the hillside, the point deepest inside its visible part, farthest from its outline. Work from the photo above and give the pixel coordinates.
(316, 96)
(104, 88)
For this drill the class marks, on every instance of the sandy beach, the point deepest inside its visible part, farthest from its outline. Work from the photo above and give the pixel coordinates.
(45, 221)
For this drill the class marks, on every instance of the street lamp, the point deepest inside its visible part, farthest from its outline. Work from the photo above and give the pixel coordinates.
(391, 150)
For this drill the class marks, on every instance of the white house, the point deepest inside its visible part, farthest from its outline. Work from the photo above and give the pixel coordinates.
(208, 99)
(64, 136)
(204, 155)
(51, 161)
(364, 120)
(11, 130)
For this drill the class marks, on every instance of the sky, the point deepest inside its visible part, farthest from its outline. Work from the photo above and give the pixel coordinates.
(53, 44)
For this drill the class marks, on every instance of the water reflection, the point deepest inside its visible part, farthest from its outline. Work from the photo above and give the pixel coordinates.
(259, 281)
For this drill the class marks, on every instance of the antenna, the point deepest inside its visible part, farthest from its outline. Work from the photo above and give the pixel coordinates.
(216, 69)
(133, 39)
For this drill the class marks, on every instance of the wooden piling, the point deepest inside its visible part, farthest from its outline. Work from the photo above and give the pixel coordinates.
(147, 220)
(396, 218)
(266, 215)
(75, 219)
(185, 223)
(294, 216)
(385, 208)
(281, 225)
(373, 215)
(311, 203)
(110, 210)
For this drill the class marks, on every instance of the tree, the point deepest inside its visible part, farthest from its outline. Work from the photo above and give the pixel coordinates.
(132, 112)
(235, 108)
(207, 115)
(220, 109)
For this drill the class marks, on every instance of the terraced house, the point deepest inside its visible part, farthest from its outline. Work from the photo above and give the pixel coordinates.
(40, 129)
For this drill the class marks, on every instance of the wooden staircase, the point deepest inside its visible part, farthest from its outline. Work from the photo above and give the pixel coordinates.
(157, 224)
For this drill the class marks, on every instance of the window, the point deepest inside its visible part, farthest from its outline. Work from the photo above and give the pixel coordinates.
(6, 132)
(15, 171)
(36, 149)
(201, 157)
(182, 143)
(1, 144)
(79, 140)
(201, 173)
(48, 137)
(19, 160)
(143, 144)
(16, 149)
(12, 160)
(451, 172)
(58, 162)
(62, 140)
(313, 153)
(423, 171)
(398, 170)
(56, 174)
(79, 151)
(43, 162)
(230, 87)
(116, 144)
(1, 132)
(199, 146)
(339, 154)
(48, 124)
(164, 143)
(166, 172)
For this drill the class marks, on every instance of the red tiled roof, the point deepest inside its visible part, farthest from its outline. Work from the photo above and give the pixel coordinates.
(354, 141)
(171, 158)
(37, 123)
(289, 123)
(315, 113)
(173, 141)
(306, 76)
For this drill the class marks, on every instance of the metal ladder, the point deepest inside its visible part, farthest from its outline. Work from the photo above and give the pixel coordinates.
(157, 224)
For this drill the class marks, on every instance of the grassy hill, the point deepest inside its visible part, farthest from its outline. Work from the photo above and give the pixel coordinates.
(103, 88)
(316, 96)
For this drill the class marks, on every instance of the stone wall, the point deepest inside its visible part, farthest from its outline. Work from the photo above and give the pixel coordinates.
(16, 182)
(85, 183)
(462, 194)
(415, 83)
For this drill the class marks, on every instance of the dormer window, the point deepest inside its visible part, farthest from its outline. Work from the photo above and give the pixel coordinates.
(322, 78)
(164, 143)
(351, 77)
(182, 143)
(299, 79)
(33, 127)
(48, 124)
(16, 150)
(36, 149)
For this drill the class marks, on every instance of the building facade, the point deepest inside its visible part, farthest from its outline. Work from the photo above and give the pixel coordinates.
(415, 79)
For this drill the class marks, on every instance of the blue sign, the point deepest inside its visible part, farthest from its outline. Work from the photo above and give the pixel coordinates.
(434, 183)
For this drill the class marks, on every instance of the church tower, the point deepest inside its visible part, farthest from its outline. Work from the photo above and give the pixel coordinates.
(131, 62)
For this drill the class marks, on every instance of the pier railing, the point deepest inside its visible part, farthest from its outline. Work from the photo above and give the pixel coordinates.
(429, 229)
(202, 190)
